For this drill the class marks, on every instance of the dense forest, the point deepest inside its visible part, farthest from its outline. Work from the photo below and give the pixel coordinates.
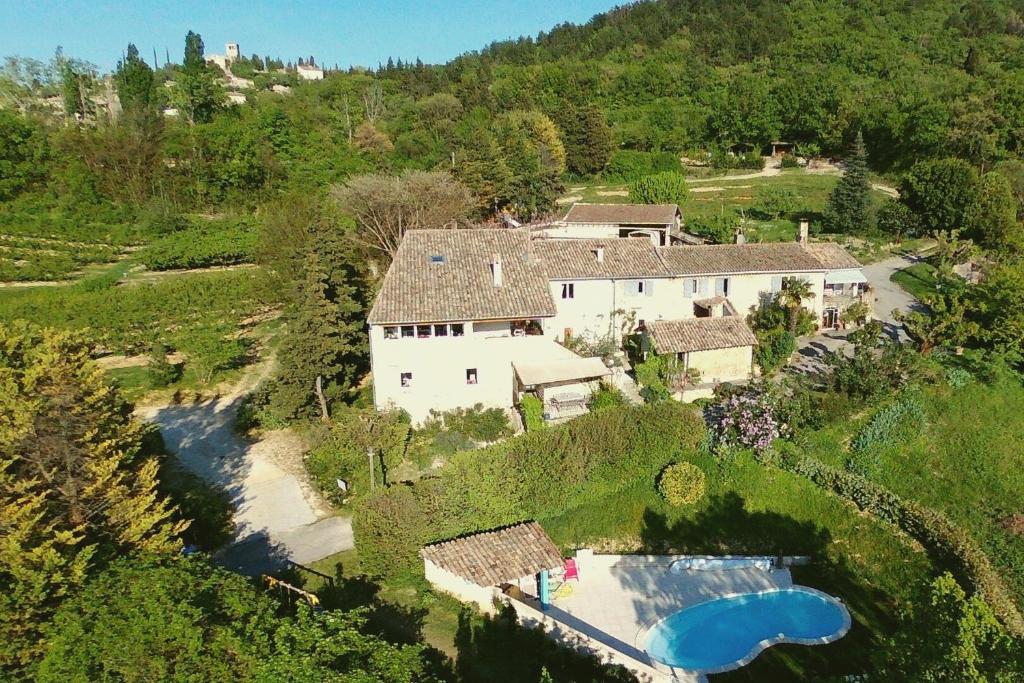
(290, 197)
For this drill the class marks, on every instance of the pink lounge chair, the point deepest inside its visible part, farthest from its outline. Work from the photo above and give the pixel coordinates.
(571, 571)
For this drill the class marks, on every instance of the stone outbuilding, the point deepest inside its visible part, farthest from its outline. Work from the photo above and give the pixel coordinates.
(480, 567)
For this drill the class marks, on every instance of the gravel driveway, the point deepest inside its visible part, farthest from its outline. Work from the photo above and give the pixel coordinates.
(889, 297)
(278, 515)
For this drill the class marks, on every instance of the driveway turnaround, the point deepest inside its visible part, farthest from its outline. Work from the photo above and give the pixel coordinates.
(278, 516)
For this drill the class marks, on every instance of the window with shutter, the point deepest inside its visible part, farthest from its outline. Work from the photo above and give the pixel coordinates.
(649, 287)
(776, 283)
(703, 286)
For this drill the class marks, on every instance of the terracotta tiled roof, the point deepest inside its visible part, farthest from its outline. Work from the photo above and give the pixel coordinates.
(623, 214)
(440, 275)
(629, 257)
(700, 334)
(772, 257)
(494, 557)
(832, 256)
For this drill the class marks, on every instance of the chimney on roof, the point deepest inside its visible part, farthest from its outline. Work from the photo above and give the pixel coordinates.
(496, 270)
(805, 230)
(599, 253)
(739, 237)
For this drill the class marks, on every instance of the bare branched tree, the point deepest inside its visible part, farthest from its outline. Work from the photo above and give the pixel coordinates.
(373, 102)
(385, 207)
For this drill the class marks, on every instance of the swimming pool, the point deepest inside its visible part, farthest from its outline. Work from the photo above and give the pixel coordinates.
(728, 632)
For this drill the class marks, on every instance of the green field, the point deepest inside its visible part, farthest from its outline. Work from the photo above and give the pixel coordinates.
(966, 462)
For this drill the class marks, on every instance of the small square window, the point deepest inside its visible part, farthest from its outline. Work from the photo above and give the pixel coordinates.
(458, 329)
(568, 290)
(408, 331)
(639, 286)
(437, 259)
(406, 379)
(471, 376)
(391, 332)
(440, 330)
(423, 331)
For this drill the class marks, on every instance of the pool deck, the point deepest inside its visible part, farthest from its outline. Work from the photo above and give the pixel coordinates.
(618, 597)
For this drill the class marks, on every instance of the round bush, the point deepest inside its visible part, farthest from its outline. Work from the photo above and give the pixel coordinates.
(682, 483)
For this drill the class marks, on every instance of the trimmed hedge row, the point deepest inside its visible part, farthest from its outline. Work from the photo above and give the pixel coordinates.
(947, 543)
(540, 473)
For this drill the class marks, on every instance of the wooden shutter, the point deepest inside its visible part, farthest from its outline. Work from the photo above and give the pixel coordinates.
(649, 287)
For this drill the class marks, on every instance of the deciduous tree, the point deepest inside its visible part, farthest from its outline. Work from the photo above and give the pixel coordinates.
(941, 193)
(385, 207)
(73, 485)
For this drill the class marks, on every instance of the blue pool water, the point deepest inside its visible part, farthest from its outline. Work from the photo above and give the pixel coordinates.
(721, 633)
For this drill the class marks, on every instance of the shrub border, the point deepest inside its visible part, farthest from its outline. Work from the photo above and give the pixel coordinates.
(946, 542)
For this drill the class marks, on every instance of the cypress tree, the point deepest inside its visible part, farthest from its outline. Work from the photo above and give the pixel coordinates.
(848, 210)
(323, 354)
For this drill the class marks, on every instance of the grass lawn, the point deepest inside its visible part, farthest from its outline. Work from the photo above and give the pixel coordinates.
(967, 463)
(918, 279)
(752, 509)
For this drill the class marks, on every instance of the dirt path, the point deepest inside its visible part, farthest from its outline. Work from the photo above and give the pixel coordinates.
(278, 514)
(772, 167)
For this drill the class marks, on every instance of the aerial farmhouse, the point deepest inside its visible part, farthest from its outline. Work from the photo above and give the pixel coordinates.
(480, 316)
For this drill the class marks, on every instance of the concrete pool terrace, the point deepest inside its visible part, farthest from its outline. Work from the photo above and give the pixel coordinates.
(618, 598)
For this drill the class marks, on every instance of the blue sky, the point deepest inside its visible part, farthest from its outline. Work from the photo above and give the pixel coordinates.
(334, 31)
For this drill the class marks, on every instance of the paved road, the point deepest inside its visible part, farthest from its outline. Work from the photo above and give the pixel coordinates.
(889, 296)
(278, 516)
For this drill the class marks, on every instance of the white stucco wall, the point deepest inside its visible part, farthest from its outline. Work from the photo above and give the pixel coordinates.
(579, 231)
(439, 365)
(464, 590)
(605, 231)
(722, 365)
(745, 290)
(589, 312)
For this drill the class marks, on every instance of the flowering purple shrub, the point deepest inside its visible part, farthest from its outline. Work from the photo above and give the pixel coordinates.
(744, 419)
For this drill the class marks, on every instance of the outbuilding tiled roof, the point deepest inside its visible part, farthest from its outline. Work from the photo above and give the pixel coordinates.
(627, 257)
(700, 334)
(832, 256)
(446, 275)
(622, 214)
(494, 557)
(771, 257)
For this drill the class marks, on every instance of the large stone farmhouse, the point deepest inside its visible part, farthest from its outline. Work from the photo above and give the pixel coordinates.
(482, 315)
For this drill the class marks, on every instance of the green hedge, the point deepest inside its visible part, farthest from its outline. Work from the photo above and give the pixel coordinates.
(949, 545)
(537, 474)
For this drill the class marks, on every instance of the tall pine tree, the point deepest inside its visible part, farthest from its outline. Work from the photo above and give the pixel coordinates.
(849, 205)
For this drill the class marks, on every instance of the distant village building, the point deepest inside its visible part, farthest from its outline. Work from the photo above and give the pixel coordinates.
(310, 72)
(236, 98)
(231, 53)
